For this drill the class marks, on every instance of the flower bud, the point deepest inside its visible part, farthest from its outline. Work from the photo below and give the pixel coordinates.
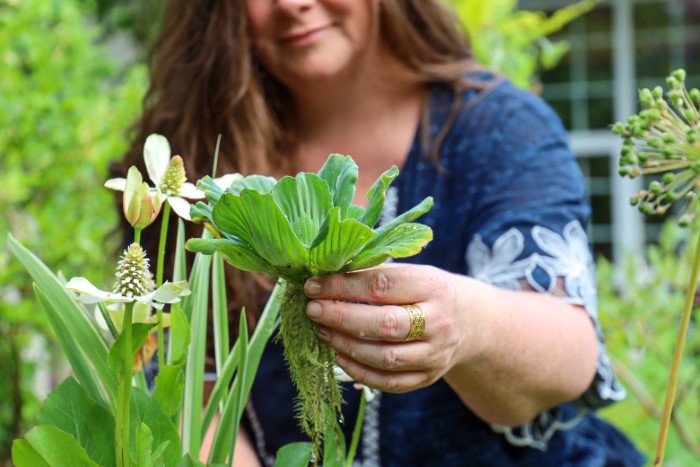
(679, 75)
(140, 206)
(657, 92)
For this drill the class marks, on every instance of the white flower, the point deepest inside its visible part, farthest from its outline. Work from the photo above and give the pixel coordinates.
(168, 175)
(142, 314)
(170, 292)
(343, 377)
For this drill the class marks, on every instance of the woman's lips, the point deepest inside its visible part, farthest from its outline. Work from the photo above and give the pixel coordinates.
(303, 38)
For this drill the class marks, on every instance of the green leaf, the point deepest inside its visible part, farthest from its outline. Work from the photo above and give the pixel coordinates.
(342, 241)
(83, 331)
(402, 241)
(170, 384)
(140, 332)
(219, 312)
(146, 410)
(144, 441)
(179, 336)
(257, 220)
(189, 461)
(259, 183)
(71, 409)
(236, 251)
(294, 455)
(341, 173)
(78, 361)
(211, 190)
(409, 216)
(46, 445)
(305, 202)
(377, 196)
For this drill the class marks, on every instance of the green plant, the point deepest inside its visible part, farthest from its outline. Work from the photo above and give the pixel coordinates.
(296, 228)
(63, 116)
(515, 42)
(662, 140)
(635, 297)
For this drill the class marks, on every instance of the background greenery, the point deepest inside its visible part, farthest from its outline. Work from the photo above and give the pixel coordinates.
(65, 106)
(64, 110)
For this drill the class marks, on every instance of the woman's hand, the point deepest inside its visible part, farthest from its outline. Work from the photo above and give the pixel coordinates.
(360, 315)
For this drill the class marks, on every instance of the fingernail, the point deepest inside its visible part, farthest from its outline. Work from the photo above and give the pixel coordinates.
(312, 287)
(313, 310)
(323, 333)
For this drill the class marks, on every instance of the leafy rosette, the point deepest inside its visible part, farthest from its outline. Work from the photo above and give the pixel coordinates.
(306, 225)
(296, 228)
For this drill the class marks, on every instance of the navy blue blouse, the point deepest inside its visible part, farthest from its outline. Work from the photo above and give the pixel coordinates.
(509, 210)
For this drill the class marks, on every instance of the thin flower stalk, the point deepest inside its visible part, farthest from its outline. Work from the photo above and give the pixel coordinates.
(663, 140)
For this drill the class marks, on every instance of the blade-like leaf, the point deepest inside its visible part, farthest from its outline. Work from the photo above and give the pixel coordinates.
(71, 409)
(342, 242)
(305, 201)
(219, 312)
(170, 384)
(236, 251)
(377, 195)
(77, 359)
(179, 334)
(257, 220)
(46, 445)
(85, 331)
(400, 242)
(341, 173)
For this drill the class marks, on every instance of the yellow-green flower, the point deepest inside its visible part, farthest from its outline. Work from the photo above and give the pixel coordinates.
(141, 205)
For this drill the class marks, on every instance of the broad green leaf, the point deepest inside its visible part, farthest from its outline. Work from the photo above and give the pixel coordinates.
(85, 332)
(305, 201)
(341, 173)
(259, 183)
(49, 446)
(170, 384)
(201, 212)
(78, 362)
(179, 334)
(355, 212)
(71, 409)
(377, 195)
(211, 190)
(341, 243)
(139, 332)
(146, 410)
(144, 441)
(400, 242)
(257, 220)
(236, 251)
(294, 455)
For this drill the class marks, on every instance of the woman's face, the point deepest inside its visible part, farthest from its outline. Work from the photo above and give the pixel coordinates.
(301, 41)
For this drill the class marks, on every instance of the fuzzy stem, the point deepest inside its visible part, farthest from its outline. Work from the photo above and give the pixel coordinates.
(159, 281)
(677, 357)
(357, 430)
(311, 367)
(124, 401)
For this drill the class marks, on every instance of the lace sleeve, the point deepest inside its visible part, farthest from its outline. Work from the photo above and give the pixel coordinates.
(561, 266)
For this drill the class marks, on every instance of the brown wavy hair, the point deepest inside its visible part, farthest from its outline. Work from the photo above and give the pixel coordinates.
(205, 81)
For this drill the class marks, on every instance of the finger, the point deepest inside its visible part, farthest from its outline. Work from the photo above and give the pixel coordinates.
(390, 284)
(377, 354)
(387, 322)
(387, 381)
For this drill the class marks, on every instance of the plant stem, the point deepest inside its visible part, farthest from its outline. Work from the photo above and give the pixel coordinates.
(677, 357)
(159, 280)
(137, 235)
(357, 430)
(124, 402)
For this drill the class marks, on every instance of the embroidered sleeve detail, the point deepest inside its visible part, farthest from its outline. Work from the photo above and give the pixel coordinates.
(560, 264)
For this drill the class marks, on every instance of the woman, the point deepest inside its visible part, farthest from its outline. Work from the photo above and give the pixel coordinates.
(510, 365)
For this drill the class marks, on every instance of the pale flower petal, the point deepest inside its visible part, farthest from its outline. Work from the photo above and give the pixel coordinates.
(188, 190)
(91, 294)
(118, 184)
(170, 292)
(156, 154)
(180, 206)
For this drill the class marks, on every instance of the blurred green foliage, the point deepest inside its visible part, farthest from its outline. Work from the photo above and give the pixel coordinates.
(640, 303)
(516, 42)
(64, 112)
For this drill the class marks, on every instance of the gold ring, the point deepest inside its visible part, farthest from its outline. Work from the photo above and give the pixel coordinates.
(417, 327)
